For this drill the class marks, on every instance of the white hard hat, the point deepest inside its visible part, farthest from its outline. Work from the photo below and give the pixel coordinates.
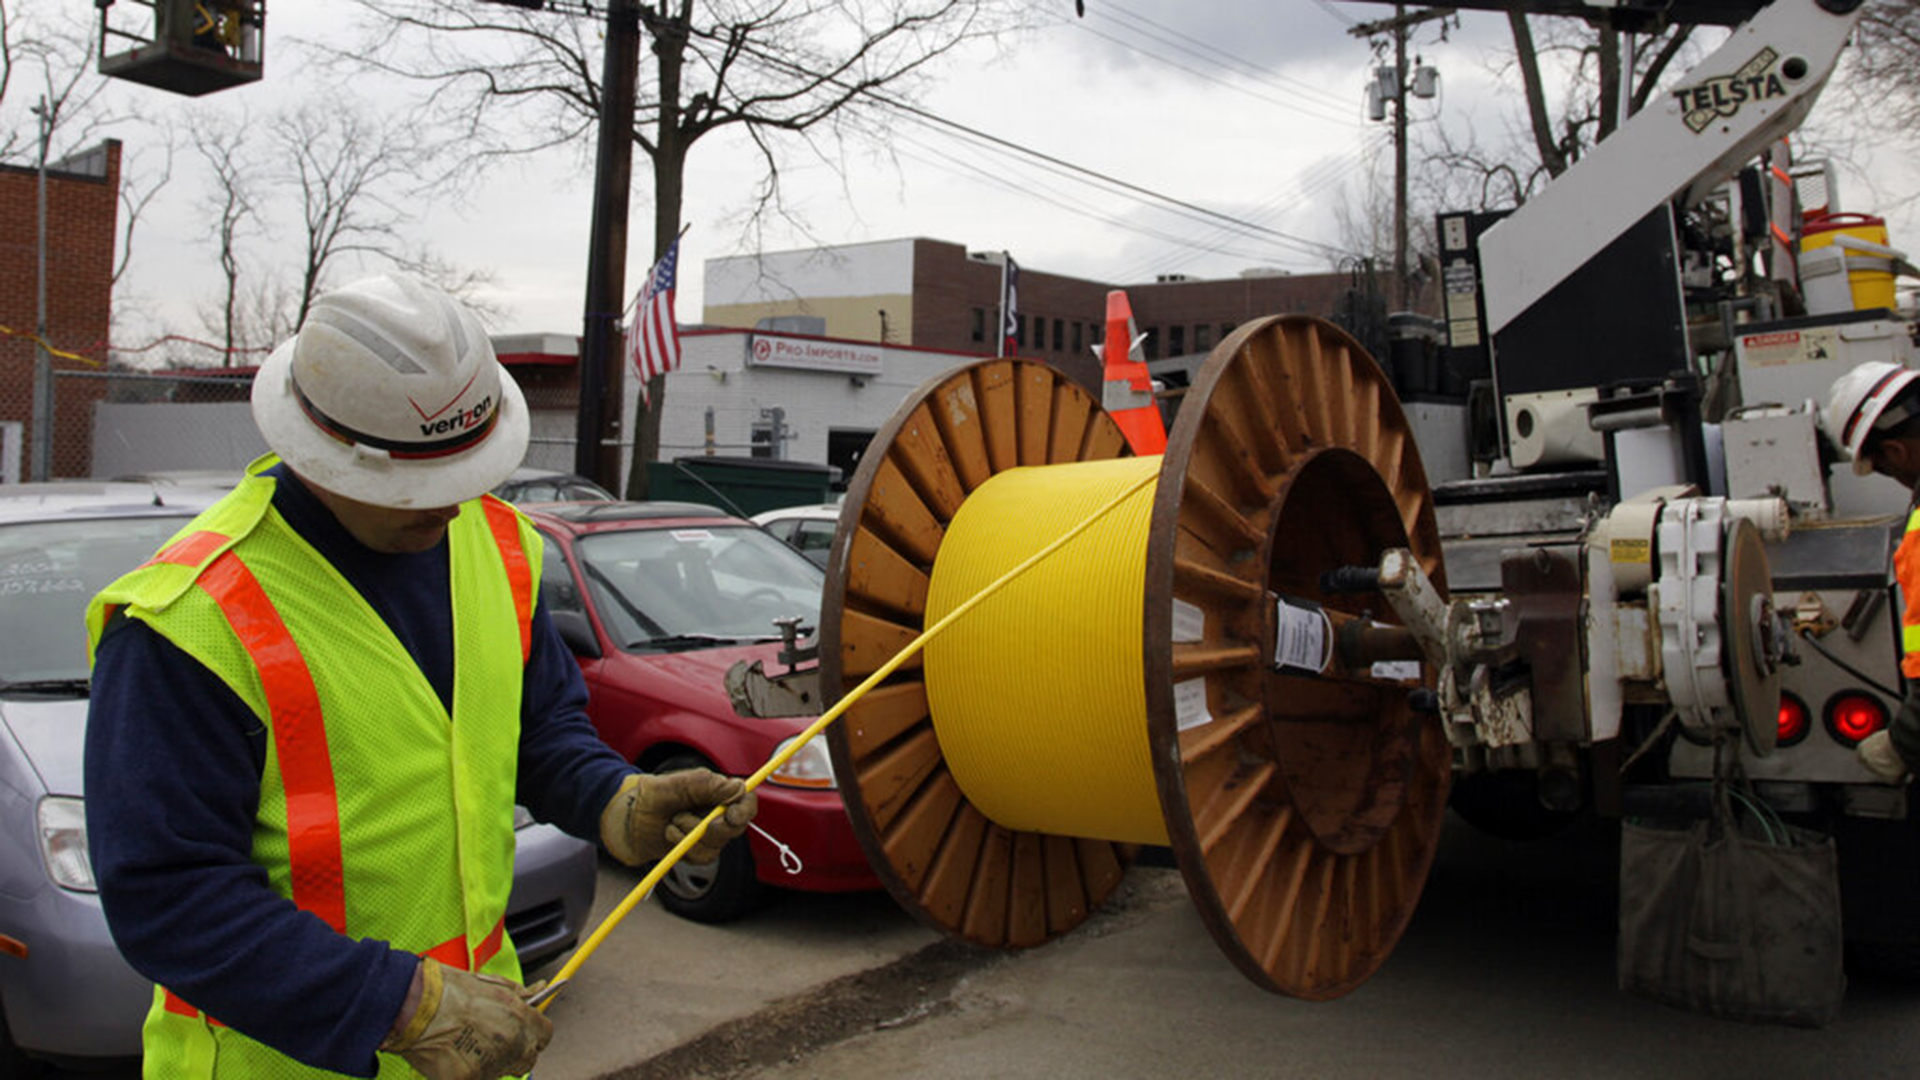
(1858, 403)
(390, 394)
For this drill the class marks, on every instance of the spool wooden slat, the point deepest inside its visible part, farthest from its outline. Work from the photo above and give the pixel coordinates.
(866, 642)
(882, 577)
(883, 715)
(915, 835)
(894, 510)
(924, 461)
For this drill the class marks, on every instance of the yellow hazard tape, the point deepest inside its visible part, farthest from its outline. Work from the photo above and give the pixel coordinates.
(52, 350)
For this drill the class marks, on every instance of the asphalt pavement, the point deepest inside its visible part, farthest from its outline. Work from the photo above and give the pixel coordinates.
(1506, 970)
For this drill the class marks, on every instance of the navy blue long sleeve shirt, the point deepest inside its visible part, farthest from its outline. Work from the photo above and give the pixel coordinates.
(173, 766)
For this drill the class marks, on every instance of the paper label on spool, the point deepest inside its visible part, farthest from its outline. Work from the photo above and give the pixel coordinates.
(1190, 704)
(1189, 622)
(1300, 636)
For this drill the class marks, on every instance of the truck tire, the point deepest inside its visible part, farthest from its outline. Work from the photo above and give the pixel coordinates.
(1506, 805)
(720, 891)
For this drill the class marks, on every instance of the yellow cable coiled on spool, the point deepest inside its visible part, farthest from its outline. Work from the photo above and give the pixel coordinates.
(1039, 698)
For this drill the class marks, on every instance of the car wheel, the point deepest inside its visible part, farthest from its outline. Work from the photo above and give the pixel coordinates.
(720, 891)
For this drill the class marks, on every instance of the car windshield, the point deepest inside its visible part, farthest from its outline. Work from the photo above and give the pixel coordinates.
(48, 572)
(692, 587)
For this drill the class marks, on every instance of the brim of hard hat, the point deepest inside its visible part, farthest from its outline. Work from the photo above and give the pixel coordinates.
(370, 476)
(1870, 417)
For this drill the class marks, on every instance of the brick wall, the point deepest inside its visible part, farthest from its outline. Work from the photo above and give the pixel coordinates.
(82, 214)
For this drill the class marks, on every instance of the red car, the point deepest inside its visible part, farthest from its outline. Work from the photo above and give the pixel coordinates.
(657, 600)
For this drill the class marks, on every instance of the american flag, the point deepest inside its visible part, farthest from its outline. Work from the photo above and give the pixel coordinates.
(653, 338)
(1010, 309)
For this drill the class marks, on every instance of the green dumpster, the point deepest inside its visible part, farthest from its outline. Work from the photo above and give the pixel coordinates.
(742, 485)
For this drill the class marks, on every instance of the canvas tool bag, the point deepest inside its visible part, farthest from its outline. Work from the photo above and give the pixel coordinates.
(1737, 916)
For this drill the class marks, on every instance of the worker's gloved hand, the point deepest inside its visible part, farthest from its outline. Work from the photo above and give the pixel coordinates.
(654, 811)
(470, 1027)
(1881, 759)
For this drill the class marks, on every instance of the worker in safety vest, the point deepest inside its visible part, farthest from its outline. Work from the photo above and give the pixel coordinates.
(1874, 413)
(315, 709)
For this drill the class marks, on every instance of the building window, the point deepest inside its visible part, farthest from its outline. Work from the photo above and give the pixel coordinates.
(1150, 347)
(1059, 334)
(1079, 342)
(979, 324)
(1225, 329)
(1202, 337)
(1176, 340)
(1020, 331)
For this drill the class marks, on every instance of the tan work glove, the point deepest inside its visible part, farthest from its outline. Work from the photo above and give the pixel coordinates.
(470, 1027)
(1876, 752)
(654, 811)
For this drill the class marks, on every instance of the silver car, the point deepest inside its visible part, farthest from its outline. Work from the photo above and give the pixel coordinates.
(66, 995)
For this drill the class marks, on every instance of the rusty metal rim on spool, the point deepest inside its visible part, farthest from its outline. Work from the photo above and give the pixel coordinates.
(1274, 394)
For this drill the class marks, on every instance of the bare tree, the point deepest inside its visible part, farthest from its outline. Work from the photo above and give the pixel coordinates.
(793, 76)
(344, 168)
(1571, 74)
(1885, 55)
(231, 202)
(138, 187)
(46, 62)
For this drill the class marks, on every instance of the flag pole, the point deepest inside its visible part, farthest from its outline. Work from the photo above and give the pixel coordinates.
(1000, 328)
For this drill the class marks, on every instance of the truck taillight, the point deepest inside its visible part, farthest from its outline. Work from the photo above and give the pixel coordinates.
(1852, 716)
(1794, 721)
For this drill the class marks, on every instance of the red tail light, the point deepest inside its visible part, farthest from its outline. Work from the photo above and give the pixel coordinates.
(1794, 721)
(1852, 716)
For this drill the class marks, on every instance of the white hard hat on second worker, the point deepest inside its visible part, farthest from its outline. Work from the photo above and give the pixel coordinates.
(390, 394)
(1858, 403)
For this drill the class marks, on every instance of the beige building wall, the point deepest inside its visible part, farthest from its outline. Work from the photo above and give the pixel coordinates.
(855, 317)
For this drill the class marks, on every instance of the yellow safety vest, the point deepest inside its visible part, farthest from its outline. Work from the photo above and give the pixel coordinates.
(428, 869)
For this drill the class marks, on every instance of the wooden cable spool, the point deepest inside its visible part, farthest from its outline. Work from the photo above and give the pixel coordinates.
(1303, 809)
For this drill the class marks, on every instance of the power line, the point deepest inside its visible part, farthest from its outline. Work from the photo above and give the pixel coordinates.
(1215, 52)
(930, 117)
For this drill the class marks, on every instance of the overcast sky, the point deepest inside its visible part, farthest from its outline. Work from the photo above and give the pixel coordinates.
(1248, 108)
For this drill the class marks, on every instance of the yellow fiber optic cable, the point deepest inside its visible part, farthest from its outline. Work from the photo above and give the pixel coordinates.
(666, 863)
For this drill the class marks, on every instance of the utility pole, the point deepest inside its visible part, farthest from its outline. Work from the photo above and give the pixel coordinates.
(1400, 156)
(1392, 86)
(42, 360)
(596, 451)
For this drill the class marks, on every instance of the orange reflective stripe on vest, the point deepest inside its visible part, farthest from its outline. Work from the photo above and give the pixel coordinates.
(299, 738)
(454, 953)
(505, 523)
(189, 550)
(1906, 573)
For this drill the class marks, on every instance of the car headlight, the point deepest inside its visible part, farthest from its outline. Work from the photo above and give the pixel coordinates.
(809, 767)
(63, 842)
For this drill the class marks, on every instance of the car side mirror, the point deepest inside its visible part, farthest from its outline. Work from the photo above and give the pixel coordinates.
(577, 632)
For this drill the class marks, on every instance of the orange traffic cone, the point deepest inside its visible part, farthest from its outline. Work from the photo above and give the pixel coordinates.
(1128, 393)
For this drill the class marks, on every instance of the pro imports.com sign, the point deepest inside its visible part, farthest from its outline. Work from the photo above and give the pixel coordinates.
(813, 355)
